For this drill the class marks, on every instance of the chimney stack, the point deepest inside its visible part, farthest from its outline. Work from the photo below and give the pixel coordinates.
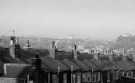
(12, 46)
(75, 55)
(123, 52)
(123, 55)
(28, 44)
(52, 49)
(96, 56)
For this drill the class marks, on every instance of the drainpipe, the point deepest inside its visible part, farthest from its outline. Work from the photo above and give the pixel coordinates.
(101, 77)
(71, 73)
(92, 74)
(108, 77)
(58, 72)
(49, 77)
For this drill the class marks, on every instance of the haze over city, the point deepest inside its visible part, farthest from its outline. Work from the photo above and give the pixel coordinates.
(99, 19)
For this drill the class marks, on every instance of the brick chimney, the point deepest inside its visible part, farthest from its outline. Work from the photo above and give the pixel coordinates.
(52, 49)
(12, 46)
(124, 57)
(75, 55)
(96, 56)
(28, 44)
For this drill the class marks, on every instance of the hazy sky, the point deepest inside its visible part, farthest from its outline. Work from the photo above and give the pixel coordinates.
(103, 19)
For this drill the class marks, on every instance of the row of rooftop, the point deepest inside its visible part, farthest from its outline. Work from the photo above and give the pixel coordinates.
(14, 59)
(84, 60)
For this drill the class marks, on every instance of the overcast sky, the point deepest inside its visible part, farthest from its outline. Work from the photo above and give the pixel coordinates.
(99, 19)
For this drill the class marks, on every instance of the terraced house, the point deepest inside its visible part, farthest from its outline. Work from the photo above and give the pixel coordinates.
(53, 66)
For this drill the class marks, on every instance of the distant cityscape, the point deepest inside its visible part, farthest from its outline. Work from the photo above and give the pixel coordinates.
(122, 43)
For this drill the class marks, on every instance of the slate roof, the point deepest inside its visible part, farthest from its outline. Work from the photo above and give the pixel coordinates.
(5, 57)
(13, 69)
(126, 65)
(83, 56)
(53, 64)
(90, 65)
(63, 62)
(93, 64)
(82, 65)
(69, 63)
(96, 65)
(109, 65)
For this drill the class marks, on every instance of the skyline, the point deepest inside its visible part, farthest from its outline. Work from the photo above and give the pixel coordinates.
(99, 19)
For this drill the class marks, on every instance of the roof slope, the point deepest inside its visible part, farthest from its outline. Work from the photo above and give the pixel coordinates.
(54, 65)
(71, 65)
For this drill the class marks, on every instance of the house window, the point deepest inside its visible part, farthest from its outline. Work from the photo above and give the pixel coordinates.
(130, 74)
(64, 78)
(108, 76)
(49, 77)
(54, 78)
(73, 78)
(114, 75)
(117, 75)
(79, 78)
(133, 74)
(95, 77)
(123, 73)
(31, 81)
(28, 79)
(84, 77)
(89, 78)
(98, 76)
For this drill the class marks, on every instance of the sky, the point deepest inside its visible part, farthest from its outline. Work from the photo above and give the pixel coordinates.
(97, 19)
